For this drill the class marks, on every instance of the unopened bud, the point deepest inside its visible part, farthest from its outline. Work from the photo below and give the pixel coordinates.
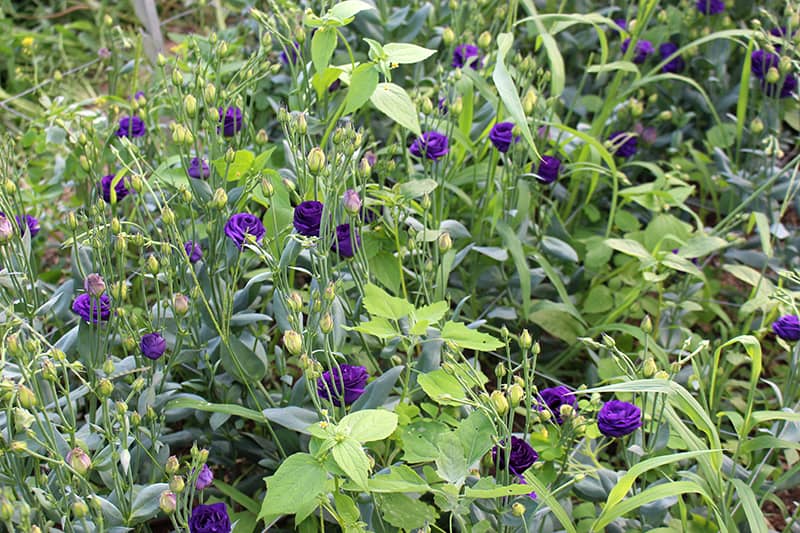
(190, 105)
(294, 302)
(177, 484)
(26, 397)
(525, 339)
(448, 36)
(499, 402)
(326, 323)
(220, 199)
(293, 342)
(79, 461)
(647, 324)
(352, 202)
(315, 160)
(104, 388)
(517, 509)
(661, 374)
(300, 124)
(757, 125)
(261, 137)
(168, 502)
(515, 394)
(80, 509)
(773, 75)
(485, 40)
(180, 304)
(152, 265)
(649, 368)
(445, 242)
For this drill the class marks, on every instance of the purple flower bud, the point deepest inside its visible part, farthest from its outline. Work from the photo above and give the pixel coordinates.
(78, 460)
(502, 135)
(231, 120)
(242, 224)
(26, 223)
(94, 284)
(193, 251)
(351, 202)
(347, 382)
(617, 419)
(642, 50)
(521, 458)
(674, 65)
(92, 309)
(205, 478)
(548, 170)
(120, 190)
(131, 126)
(291, 57)
(787, 328)
(104, 53)
(344, 244)
(153, 346)
(210, 519)
(6, 229)
(466, 54)
(198, 168)
(710, 7)
(431, 144)
(307, 218)
(623, 143)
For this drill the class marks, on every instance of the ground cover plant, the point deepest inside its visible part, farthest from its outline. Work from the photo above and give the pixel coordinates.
(399, 266)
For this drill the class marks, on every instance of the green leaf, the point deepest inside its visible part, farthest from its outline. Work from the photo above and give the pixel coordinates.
(400, 478)
(417, 188)
(349, 8)
(544, 495)
(651, 494)
(350, 457)
(464, 337)
(755, 518)
(475, 434)
(378, 390)
(296, 484)
(406, 54)
(378, 327)
(241, 362)
(322, 46)
(508, 90)
(514, 245)
(558, 73)
(701, 246)
(379, 303)
(498, 492)
(722, 135)
(419, 440)
(322, 80)
(442, 387)
(363, 82)
(236, 495)
(242, 161)
(404, 512)
(202, 405)
(369, 425)
(431, 313)
(145, 502)
(394, 102)
(629, 247)
(451, 463)
(292, 417)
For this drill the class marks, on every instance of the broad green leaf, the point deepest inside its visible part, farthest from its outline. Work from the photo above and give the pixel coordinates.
(464, 337)
(322, 80)
(417, 188)
(322, 46)
(242, 161)
(363, 82)
(629, 247)
(755, 518)
(404, 512)
(379, 303)
(378, 390)
(202, 405)
(241, 362)
(651, 494)
(442, 387)
(451, 463)
(701, 246)
(400, 478)
(369, 424)
(378, 327)
(406, 54)
(475, 434)
(508, 90)
(350, 457)
(349, 8)
(432, 313)
(394, 102)
(296, 484)
(145, 502)
(498, 492)
(292, 417)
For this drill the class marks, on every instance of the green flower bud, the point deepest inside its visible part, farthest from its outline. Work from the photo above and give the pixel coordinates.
(152, 265)
(220, 199)
(448, 36)
(315, 161)
(649, 368)
(190, 105)
(515, 394)
(177, 484)
(517, 509)
(80, 509)
(168, 502)
(499, 402)
(647, 324)
(168, 216)
(757, 125)
(6, 510)
(104, 388)
(293, 342)
(661, 374)
(525, 339)
(427, 106)
(27, 399)
(294, 302)
(177, 77)
(261, 137)
(445, 242)
(773, 75)
(300, 124)
(485, 40)
(79, 461)
(180, 304)
(326, 323)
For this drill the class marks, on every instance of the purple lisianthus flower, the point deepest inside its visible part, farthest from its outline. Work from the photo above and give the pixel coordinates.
(307, 218)
(521, 458)
(463, 55)
(787, 328)
(335, 85)
(787, 88)
(231, 120)
(676, 64)
(442, 105)
(343, 244)
(548, 170)
(198, 168)
(624, 143)
(291, 57)
(502, 135)
(131, 126)
(617, 419)
(205, 478)
(554, 397)
(710, 7)
(92, 309)
(640, 52)
(242, 224)
(120, 190)
(347, 382)
(761, 61)
(622, 23)
(193, 251)
(153, 345)
(431, 144)
(27, 222)
(210, 519)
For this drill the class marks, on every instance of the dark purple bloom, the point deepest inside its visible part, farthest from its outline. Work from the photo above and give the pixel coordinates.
(210, 519)
(622, 23)
(193, 251)
(121, 191)
(624, 143)
(344, 244)
(640, 52)
(787, 328)
(676, 64)
(346, 382)
(204, 478)
(787, 88)
(92, 309)
(28, 222)
(521, 458)
(710, 7)
(198, 168)
(153, 345)
(131, 126)
(502, 135)
(554, 398)
(761, 61)
(432, 145)
(463, 55)
(335, 85)
(291, 57)
(307, 218)
(617, 419)
(231, 120)
(242, 224)
(548, 170)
